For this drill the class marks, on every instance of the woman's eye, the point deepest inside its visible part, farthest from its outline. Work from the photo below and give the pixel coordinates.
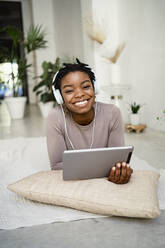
(87, 86)
(68, 91)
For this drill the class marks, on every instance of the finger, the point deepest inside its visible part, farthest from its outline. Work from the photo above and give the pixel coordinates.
(112, 171)
(128, 166)
(128, 174)
(124, 170)
(129, 170)
(112, 174)
(126, 179)
(123, 173)
(117, 172)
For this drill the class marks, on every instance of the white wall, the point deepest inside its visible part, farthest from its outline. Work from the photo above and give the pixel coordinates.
(88, 45)
(141, 24)
(68, 28)
(43, 14)
(106, 13)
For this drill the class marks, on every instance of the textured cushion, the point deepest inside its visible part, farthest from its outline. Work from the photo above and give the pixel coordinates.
(138, 198)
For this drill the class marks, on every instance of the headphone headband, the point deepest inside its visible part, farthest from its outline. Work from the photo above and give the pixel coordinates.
(54, 78)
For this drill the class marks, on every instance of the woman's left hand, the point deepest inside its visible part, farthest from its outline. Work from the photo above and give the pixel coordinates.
(120, 173)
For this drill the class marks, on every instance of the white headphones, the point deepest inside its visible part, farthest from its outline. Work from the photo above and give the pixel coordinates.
(57, 93)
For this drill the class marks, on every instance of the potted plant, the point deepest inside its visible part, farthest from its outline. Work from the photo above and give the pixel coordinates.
(134, 116)
(18, 64)
(44, 88)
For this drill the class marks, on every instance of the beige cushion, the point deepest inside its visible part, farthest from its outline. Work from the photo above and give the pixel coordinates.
(138, 198)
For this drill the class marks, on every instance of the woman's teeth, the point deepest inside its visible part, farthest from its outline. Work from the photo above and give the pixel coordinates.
(81, 103)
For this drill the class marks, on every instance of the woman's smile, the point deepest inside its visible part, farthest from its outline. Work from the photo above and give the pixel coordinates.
(82, 103)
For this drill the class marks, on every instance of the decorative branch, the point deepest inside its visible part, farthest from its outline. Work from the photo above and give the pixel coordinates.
(117, 53)
(95, 30)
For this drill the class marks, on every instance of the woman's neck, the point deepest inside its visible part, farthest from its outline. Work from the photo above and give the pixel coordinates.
(84, 119)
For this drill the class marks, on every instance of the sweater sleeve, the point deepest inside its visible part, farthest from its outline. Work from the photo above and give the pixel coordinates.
(116, 134)
(55, 141)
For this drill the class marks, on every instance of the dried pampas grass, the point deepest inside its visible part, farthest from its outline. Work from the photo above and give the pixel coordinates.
(96, 30)
(117, 53)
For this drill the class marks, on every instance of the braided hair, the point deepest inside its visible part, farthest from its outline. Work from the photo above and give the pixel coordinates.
(72, 68)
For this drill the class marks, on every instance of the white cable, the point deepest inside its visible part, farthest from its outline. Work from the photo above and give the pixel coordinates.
(66, 131)
(93, 130)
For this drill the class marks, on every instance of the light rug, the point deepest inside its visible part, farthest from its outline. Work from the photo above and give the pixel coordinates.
(21, 157)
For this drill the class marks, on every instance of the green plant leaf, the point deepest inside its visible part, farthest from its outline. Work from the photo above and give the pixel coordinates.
(35, 38)
(135, 107)
(45, 84)
(38, 92)
(46, 97)
(39, 85)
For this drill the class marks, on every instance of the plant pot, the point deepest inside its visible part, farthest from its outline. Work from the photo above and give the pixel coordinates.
(5, 119)
(16, 106)
(135, 119)
(45, 108)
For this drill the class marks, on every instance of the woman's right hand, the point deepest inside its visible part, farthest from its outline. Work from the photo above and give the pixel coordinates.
(120, 173)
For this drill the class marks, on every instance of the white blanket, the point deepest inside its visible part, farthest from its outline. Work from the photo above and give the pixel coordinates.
(21, 157)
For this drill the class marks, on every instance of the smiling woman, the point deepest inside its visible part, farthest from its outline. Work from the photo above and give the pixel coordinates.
(80, 122)
(78, 94)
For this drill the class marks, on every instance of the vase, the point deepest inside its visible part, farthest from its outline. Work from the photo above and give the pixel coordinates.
(5, 119)
(16, 106)
(135, 119)
(45, 108)
(115, 74)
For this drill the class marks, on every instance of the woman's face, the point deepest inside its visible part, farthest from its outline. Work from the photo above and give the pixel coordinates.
(77, 92)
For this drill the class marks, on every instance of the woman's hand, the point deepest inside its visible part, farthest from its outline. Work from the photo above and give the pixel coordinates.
(120, 174)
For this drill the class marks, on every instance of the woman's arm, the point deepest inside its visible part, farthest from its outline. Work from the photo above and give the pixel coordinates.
(121, 172)
(55, 141)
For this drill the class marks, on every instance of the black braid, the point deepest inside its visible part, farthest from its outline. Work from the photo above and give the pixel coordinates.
(71, 68)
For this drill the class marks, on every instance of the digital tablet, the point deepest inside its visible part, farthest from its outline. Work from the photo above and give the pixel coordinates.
(93, 163)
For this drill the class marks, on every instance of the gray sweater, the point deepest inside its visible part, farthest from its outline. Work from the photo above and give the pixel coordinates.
(108, 132)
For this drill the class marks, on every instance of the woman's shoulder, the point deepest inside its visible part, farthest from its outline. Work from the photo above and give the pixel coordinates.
(110, 113)
(106, 108)
(55, 114)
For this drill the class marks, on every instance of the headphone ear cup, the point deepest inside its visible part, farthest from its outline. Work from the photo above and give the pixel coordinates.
(96, 86)
(57, 96)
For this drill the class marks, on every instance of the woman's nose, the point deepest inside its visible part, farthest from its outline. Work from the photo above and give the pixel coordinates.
(79, 92)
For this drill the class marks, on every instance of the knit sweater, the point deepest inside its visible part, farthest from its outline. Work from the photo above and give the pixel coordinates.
(108, 132)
